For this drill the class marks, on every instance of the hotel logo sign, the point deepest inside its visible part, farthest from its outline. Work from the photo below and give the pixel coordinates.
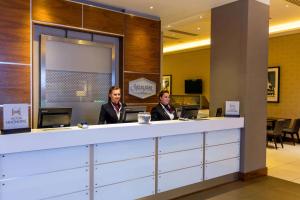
(15, 116)
(142, 88)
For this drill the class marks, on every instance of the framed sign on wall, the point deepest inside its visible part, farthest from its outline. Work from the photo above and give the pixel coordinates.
(273, 84)
(167, 83)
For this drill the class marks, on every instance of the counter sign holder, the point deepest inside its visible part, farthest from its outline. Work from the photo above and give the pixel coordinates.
(232, 109)
(15, 118)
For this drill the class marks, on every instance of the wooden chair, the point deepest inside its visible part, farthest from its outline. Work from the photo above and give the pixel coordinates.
(293, 131)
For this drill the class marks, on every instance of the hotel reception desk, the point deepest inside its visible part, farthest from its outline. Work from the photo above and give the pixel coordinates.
(161, 160)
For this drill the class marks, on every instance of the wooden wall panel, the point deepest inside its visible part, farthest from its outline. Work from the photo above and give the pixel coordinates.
(14, 84)
(15, 31)
(132, 76)
(142, 45)
(57, 12)
(103, 20)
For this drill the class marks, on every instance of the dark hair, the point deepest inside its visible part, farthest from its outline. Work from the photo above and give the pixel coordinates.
(162, 92)
(112, 88)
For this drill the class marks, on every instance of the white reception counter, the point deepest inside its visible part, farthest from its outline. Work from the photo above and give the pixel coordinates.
(120, 161)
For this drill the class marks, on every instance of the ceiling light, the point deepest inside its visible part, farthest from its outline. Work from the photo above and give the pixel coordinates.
(284, 27)
(286, 5)
(200, 43)
(169, 26)
(151, 7)
(201, 16)
(187, 45)
(198, 28)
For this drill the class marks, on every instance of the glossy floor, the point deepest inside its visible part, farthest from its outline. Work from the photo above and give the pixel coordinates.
(264, 188)
(284, 163)
(283, 182)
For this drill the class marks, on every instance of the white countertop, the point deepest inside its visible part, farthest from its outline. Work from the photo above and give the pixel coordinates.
(39, 139)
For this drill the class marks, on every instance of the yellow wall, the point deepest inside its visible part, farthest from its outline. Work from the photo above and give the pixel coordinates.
(189, 65)
(284, 51)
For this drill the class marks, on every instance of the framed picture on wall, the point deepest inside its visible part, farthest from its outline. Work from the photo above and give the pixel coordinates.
(273, 84)
(166, 83)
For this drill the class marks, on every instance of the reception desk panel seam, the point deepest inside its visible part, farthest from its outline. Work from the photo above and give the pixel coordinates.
(143, 176)
(39, 139)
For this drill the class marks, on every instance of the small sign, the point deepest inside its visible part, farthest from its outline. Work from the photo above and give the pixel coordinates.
(142, 88)
(232, 108)
(15, 116)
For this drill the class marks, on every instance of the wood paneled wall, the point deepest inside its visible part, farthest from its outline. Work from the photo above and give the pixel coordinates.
(140, 43)
(57, 12)
(141, 54)
(103, 20)
(15, 31)
(14, 52)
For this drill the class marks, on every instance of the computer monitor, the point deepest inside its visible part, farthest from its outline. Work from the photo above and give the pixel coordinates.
(54, 117)
(190, 111)
(131, 113)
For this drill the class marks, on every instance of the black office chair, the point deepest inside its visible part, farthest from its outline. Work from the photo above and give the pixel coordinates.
(293, 131)
(277, 132)
(219, 112)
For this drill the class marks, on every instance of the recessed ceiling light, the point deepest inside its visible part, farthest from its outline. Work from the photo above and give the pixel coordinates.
(151, 7)
(198, 28)
(286, 5)
(169, 26)
(201, 16)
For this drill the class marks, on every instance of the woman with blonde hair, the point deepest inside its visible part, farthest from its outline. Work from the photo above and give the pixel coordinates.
(112, 111)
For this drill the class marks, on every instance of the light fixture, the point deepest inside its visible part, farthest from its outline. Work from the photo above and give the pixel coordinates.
(198, 28)
(169, 26)
(284, 27)
(200, 43)
(201, 16)
(286, 5)
(187, 45)
(151, 7)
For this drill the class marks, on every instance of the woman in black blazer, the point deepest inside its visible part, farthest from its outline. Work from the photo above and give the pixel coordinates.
(163, 110)
(113, 110)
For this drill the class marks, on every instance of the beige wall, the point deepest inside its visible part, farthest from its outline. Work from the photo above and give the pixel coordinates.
(284, 51)
(189, 65)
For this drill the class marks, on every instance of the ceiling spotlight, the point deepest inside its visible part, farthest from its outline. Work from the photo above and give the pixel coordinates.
(286, 5)
(198, 28)
(169, 26)
(151, 7)
(201, 16)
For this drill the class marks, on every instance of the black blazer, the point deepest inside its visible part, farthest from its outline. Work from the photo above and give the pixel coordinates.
(158, 113)
(108, 114)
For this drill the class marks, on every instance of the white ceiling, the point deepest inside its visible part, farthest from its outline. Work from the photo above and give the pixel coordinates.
(194, 15)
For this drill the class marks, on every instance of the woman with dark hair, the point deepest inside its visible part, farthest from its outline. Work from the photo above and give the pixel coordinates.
(163, 110)
(112, 111)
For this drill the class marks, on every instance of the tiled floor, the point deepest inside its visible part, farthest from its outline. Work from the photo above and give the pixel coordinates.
(283, 182)
(264, 188)
(284, 163)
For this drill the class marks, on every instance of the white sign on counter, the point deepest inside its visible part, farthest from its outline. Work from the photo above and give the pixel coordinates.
(15, 116)
(232, 108)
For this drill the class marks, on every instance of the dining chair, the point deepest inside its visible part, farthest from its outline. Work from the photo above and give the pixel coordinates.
(293, 131)
(276, 133)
